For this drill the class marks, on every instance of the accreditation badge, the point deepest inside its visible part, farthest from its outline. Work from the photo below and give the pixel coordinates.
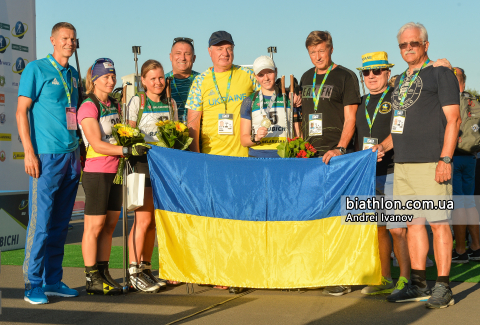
(225, 124)
(71, 118)
(315, 124)
(398, 124)
(368, 143)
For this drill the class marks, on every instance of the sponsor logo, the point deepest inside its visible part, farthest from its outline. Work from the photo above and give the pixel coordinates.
(4, 43)
(2, 156)
(385, 108)
(19, 65)
(5, 63)
(4, 26)
(20, 48)
(212, 93)
(18, 155)
(307, 91)
(15, 84)
(2, 98)
(55, 82)
(5, 137)
(2, 118)
(19, 30)
(2, 81)
(23, 205)
(9, 240)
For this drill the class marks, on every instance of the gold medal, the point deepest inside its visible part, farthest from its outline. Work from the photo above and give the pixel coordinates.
(265, 122)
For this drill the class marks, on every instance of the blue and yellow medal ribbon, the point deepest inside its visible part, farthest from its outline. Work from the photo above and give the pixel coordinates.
(228, 88)
(316, 97)
(404, 96)
(67, 91)
(370, 122)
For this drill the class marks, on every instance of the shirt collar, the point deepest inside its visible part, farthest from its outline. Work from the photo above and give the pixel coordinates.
(60, 67)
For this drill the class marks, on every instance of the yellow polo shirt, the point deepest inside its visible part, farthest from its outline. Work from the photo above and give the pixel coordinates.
(203, 97)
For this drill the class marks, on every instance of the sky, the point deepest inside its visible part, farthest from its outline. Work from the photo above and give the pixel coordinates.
(109, 28)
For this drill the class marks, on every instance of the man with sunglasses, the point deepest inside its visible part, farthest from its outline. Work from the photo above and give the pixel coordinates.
(373, 127)
(46, 119)
(182, 56)
(426, 121)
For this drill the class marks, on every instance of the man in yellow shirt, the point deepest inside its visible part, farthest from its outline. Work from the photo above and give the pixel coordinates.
(215, 98)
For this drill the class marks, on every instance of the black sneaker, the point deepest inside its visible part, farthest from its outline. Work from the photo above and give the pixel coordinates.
(97, 285)
(459, 259)
(442, 297)
(104, 273)
(147, 270)
(410, 292)
(337, 290)
(473, 255)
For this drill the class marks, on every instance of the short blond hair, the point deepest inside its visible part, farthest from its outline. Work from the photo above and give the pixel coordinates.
(317, 37)
(60, 25)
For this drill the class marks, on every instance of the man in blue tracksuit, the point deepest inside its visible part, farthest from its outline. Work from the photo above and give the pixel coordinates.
(48, 96)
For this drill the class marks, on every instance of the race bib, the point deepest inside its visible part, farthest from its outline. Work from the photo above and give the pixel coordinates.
(225, 124)
(71, 118)
(398, 124)
(369, 142)
(315, 124)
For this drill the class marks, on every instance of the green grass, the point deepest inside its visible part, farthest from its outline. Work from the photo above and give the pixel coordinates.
(469, 272)
(73, 257)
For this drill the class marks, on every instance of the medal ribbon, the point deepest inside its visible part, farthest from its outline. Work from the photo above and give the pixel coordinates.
(404, 96)
(228, 88)
(316, 98)
(370, 123)
(270, 104)
(67, 91)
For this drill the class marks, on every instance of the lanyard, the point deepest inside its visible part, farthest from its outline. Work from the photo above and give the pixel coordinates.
(67, 91)
(270, 104)
(228, 88)
(316, 98)
(176, 89)
(404, 96)
(370, 123)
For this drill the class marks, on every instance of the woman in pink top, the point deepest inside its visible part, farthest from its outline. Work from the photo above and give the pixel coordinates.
(103, 199)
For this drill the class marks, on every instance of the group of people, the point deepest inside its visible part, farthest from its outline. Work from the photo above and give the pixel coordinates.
(233, 111)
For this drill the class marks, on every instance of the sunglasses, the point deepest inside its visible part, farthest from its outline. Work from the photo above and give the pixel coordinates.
(455, 70)
(376, 72)
(183, 39)
(403, 46)
(105, 59)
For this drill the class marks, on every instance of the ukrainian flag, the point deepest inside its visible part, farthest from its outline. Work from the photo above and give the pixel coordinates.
(262, 223)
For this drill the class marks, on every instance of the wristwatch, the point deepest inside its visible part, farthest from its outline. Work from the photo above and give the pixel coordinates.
(446, 159)
(125, 151)
(252, 138)
(342, 150)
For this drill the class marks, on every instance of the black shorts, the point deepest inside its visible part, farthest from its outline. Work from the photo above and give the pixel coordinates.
(140, 165)
(101, 194)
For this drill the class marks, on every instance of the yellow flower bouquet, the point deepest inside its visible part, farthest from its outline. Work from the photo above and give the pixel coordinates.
(172, 134)
(126, 136)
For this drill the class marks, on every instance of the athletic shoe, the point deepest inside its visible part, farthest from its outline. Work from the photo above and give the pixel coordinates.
(410, 292)
(402, 281)
(36, 296)
(105, 274)
(141, 281)
(442, 297)
(235, 290)
(59, 289)
(459, 259)
(429, 262)
(473, 255)
(387, 286)
(337, 290)
(147, 270)
(97, 285)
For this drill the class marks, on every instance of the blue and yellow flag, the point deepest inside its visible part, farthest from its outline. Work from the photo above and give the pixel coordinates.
(262, 223)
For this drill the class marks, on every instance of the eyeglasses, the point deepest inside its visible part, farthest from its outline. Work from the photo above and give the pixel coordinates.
(455, 70)
(376, 72)
(183, 39)
(403, 46)
(105, 59)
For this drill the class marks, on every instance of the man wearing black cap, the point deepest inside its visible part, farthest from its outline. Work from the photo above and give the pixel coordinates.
(215, 98)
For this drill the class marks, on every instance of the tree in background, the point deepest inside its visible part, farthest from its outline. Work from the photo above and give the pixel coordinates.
(472, 91)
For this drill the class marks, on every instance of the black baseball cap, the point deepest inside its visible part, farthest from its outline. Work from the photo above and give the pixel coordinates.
(220, 36)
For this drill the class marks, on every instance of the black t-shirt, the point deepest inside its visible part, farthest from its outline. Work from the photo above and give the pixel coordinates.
(425, 122)
(380, 129)
(340, 89)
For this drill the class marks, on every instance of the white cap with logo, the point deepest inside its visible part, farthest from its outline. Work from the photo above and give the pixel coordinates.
(263, 62)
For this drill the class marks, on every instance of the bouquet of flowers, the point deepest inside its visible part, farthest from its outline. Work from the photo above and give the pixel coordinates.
(296, 148)
(172, 134)
(125, 136)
